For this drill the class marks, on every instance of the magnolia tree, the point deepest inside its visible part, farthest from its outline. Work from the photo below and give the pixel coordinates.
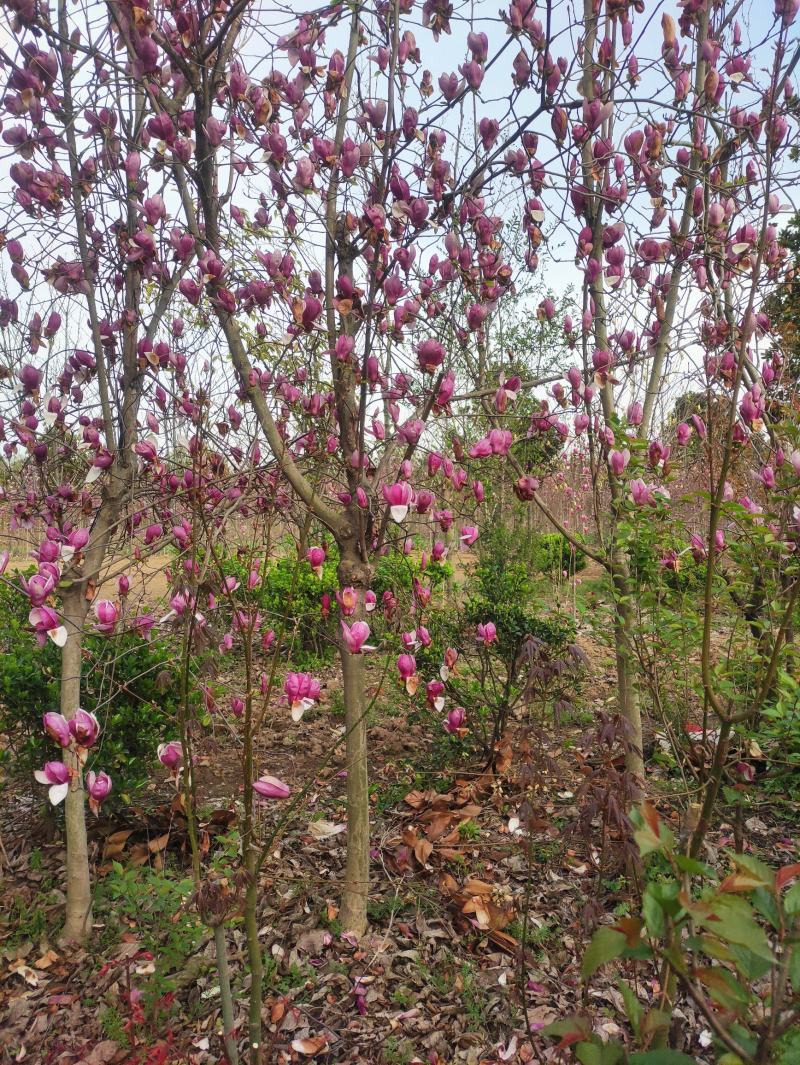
(339, 218)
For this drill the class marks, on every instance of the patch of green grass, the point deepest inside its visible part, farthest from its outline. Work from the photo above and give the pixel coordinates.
(156, 906)
(295, 977)
(397, 1052)
(403, 997)
(469, 830)
(113, 1024)
(547, 852)
(380, 910)
(27, 918)
(534, 935)
(472, 996)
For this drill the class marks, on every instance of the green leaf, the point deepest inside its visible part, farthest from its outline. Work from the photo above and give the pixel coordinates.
(607, 944)
(723, 988)
(731, 920)
(570, 1028)
(633, 1007)
(599, 1053)
(690, 865)
(791, 900)
(653, 912)
(651, 833)
(759, 872)
(751, 966)
(661, 1057)
(766, 904)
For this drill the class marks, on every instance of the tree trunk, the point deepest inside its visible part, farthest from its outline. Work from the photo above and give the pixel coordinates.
(78, 916)
(353, 913)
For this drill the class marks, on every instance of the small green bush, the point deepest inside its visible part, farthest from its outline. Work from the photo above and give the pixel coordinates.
(289, 597)
(395, 572)
(515, 622)
(128, 683)
(552, 552)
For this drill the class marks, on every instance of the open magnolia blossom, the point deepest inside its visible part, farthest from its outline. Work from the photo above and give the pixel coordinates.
(56, 775)
(399, 497)
(46, 623)
(302, 691)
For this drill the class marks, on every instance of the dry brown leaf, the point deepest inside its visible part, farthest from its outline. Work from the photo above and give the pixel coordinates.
(46, 960)
(448, 884)
(477, 887)
(423, 849)
(158, 844)
(311, 1046)
(438, 825)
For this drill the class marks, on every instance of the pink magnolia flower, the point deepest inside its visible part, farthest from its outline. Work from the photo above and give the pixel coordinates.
(635, 414)
(41, 584)
(410, 641)
(469, 534)
(407, 668)
(486, 633)
(171, 755)
(455, 719)
(682, 434)
(56, 775)
(4, 559)
(434, 693)
(237, 706)
(698, 548)
(302, 691)
(430, 355)
(143, 624)
(370, 601)
(84, 729)
(439, 551)
(347, 599)
(389, 600)
(271, 788)
(399, 497)
(316, 558)
(57, 728)
(355, 637)
(618, 460)
(767, 477)
(98, 785)
(107, 614)
(45, 622)
(267, 639)
(645, 494)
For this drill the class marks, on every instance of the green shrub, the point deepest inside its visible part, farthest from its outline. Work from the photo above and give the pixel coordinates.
(29, 682)
(289, 598)
(515, 622)
(395, 572)
(128, 683)
(552, 552)
(509, 559)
